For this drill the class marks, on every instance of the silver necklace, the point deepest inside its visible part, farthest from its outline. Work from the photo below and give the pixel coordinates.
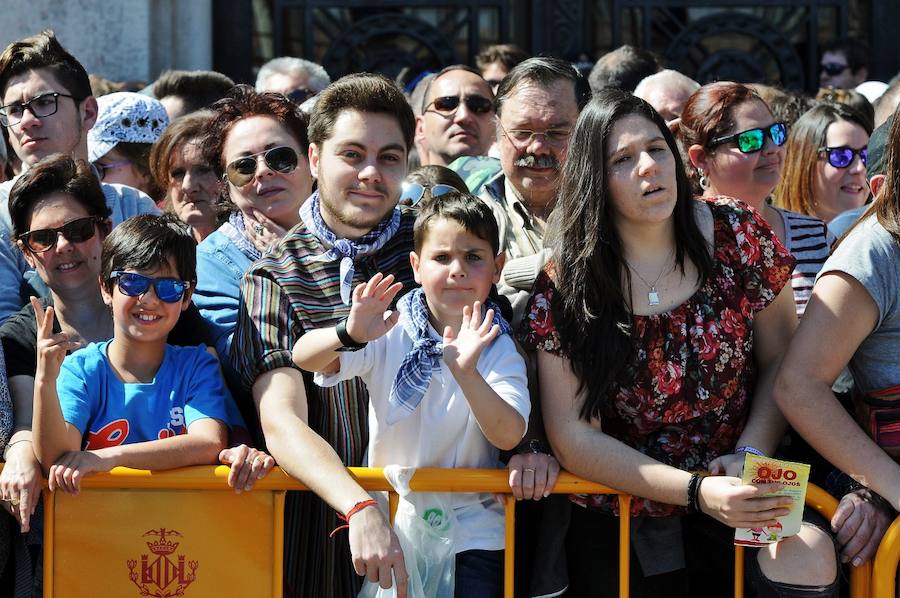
(652, 294)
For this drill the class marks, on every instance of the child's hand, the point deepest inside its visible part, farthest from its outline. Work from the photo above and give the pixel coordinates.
(66, 474)
(461, 352)
(247, 466)
(51, 348)
(370, 301)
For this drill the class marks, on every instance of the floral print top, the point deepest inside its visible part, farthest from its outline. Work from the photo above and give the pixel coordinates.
(693, 375)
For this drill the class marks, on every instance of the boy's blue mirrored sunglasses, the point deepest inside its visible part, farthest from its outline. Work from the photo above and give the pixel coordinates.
(414, 192)
(169, 290)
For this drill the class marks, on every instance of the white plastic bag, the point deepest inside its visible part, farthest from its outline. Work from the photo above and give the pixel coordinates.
(425, 525)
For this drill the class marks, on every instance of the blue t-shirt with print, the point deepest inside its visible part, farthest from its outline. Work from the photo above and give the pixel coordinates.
(109, 412)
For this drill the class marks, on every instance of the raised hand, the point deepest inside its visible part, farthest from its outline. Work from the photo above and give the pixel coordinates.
(370, 300)
(262, 231)
(462, 350)
(51, 348)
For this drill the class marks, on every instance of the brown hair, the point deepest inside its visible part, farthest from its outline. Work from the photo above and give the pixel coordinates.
(43, 51)
(197, 89)
(474, 215)
(57, 173)
(795, 190)
(509, 55)
(363, 92)
(183, 130)
(707, 115)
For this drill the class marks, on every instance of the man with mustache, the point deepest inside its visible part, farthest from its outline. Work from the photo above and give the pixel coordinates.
(537, 105)
(457, 116)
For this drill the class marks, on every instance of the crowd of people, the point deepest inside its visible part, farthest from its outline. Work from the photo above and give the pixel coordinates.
(627, 275)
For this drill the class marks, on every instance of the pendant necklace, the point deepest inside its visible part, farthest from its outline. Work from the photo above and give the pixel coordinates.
(652, 294)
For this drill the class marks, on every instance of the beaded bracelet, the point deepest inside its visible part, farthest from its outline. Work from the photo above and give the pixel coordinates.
(353, 511)
(693, 493)
(749, 449)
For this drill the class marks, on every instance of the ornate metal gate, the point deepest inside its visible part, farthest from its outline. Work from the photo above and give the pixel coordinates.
(748, 40)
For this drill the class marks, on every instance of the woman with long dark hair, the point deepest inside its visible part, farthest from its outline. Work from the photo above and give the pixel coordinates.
(658, 326)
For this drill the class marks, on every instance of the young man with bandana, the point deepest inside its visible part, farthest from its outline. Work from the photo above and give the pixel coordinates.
(351, 228)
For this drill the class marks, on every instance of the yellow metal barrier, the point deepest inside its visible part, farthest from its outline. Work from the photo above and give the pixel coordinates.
(885, 570)
(87, 536)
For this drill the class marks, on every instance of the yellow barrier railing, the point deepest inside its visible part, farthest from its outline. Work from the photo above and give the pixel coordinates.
(425, 480)
(885, 569)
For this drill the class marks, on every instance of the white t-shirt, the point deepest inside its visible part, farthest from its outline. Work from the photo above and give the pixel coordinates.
(442, 432)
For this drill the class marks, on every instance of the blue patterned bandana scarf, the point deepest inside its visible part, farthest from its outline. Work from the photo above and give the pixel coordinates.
(345, 249)
(234, 230)
(415, 371)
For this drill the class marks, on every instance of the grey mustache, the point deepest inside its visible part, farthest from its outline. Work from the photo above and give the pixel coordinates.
(532, 161)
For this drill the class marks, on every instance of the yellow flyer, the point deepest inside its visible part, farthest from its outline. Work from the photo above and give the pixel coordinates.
(794, 478)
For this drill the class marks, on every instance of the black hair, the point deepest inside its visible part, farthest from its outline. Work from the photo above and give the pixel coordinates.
(146, 242)
(197, 89)
(591, 307)
(469, 211)
(623, 68)
(855, 51)
(57, 173)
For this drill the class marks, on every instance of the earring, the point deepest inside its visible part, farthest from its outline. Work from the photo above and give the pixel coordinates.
(704, 182)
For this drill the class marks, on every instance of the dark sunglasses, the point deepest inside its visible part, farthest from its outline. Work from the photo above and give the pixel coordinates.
(169, 290)
(449, 104)
(300, 95)
(280, 159)
(414, 192)
(833, 68)
(76, 231)
(842, 157)
(752, 140)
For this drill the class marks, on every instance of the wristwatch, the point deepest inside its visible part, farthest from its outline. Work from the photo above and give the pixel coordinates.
(535, 446)
(346, 340)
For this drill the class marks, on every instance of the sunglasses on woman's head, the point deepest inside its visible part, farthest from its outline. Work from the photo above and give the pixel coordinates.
(753, 140)
(76, 231)
(842, 157)
(167, 289)
(414, 192)
(449, 104)
(280, 159)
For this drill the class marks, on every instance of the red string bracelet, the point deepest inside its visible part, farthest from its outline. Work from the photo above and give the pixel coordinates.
(353, 511)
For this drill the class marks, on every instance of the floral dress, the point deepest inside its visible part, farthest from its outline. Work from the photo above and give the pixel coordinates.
(692, 379)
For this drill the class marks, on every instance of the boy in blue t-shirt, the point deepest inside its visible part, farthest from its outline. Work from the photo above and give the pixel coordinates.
(135, 401)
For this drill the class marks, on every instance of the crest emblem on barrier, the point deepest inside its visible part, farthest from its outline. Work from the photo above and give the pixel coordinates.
(163, 574)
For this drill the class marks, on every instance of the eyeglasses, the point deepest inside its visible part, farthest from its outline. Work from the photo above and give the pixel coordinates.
(102, 168)
(168, 290)
(842, 157)
(525, 137)
(449, 104)
(414, 192)
(76, 231)
(40, 106)
(280, 159)
(752, 140)
(833, 68)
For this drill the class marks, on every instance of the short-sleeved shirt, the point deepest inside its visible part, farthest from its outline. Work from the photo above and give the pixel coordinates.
(809, 241)
(109, 412)
(871, 255)
(687, 390)
(442, 432)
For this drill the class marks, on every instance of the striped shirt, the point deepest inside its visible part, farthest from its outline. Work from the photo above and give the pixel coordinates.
(285, 294)
(808, 240)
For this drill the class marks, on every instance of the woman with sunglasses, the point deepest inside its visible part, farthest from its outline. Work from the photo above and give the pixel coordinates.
(60, 219)
(853, 321)
(658, 326)
(825, 169)
(257, 145)
(736, 149)
(188, 180)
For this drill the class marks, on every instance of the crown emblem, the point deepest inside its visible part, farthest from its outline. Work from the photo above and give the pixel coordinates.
(163, 574)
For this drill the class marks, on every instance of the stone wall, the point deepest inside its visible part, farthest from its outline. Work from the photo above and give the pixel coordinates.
(122, 40)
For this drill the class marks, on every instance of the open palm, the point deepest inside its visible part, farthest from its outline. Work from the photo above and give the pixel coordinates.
(462, 350)
(370, 302)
